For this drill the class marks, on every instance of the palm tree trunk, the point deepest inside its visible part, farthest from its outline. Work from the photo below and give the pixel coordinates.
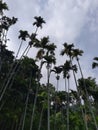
(68, 106)
(40, 121)
(48, 77)
(0, 56)
(36, 30)
(32, 116)
(56, 104)
(20, 121)
(13, 125)
(24, 116)
(19, 49)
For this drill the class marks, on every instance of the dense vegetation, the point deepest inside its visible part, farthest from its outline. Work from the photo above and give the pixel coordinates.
(25, 103)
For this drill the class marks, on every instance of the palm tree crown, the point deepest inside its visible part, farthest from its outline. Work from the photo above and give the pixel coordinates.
(67, 49)
(23, 35)
(39, 21)
(77, 52)
(3, 6)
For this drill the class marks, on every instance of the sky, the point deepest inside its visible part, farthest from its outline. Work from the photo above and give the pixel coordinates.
(71, 21)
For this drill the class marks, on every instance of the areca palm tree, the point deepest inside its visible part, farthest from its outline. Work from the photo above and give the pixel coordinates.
(45, 54)
(39, 21)
(23, 35)
(46, 51)
(49, 59)
(57, 70)
(71, 53)
(68, 50)
(66, 76)
(42, 44)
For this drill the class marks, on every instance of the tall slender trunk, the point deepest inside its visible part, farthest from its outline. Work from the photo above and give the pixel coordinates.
(20, 122)
(24, 116)
(40, 121)
(48, 77)
(0, 56)
(32, 116)
(13, 125)
(19, 49)
(68, 105)
(56, 104)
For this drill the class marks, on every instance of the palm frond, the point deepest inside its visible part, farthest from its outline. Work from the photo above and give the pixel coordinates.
(44, 41)
(23, 35)
(39, 21)
(62, 52)
(57, 69)
(40, 54)
(94, 65)
(96, 58)
(50, 59)
(74, 67)
(51, 47)
(67, 49)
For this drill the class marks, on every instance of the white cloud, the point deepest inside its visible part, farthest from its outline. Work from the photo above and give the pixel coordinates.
(65, 20)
